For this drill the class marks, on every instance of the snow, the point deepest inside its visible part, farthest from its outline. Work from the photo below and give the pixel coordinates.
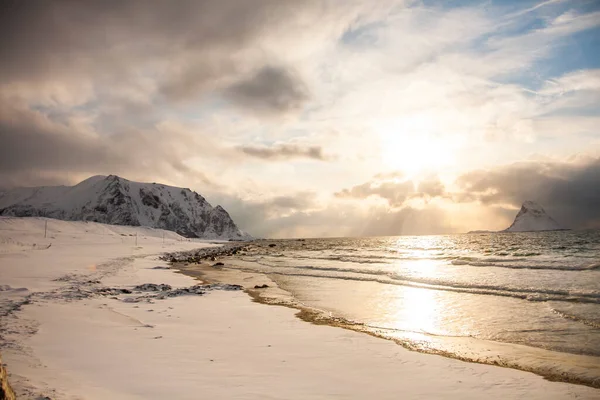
(532, 218)
(69, 342)
(115, 200)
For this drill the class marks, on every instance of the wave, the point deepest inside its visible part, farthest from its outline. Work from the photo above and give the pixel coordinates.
(352, 259)
(520, 262)
(492, 262)
(577, 318)
(419, 331)
(498, 264)
(391, 278)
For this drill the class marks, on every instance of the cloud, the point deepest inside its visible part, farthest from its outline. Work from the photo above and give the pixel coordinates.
(191, 92)
(285, 152)
(190, 50)
(301, 215)
(299, 201)
(271, 90)
(396, 193)
(36, 148)
(135, 28)
(431, 187)
(582, 80)
(569, 191)
(266, 217)
(390, 175)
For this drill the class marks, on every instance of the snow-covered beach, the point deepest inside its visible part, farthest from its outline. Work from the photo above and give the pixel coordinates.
(74, 326)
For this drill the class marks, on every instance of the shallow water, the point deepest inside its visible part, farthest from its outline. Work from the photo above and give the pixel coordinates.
(530, 299)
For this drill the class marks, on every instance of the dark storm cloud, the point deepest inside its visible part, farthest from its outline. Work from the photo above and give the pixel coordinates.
(570, 192)
(26, 146)
(271, 90)
(188, 46)
(50, 30)
(120, 65)
(187, 82)
(35, 150)
(285, 152)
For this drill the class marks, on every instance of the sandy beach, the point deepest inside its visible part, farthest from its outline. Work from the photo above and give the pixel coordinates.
(74, 326)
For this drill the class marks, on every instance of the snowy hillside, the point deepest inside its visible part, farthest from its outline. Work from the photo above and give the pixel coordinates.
(531, 218)
(114, 200)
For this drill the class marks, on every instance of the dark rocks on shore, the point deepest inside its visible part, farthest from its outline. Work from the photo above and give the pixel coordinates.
(149, 291)
(263, 286)
(272, 245)
(112, 291)
(219, 264)
(152, 287)
(207, 253)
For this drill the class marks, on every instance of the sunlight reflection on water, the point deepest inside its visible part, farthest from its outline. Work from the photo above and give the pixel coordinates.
(539, 290)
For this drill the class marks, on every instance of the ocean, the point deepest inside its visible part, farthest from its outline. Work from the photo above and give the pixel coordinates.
(523, 300)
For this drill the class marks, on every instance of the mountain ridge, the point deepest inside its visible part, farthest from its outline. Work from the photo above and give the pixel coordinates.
(118, 201)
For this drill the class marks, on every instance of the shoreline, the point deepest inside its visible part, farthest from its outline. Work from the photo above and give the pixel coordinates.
(224, 274)
(92, 329)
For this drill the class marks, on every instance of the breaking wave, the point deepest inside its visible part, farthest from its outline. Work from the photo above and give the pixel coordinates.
(392, 278)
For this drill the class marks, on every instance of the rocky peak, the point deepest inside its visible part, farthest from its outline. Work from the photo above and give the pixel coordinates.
(114, 200)
(532, 217)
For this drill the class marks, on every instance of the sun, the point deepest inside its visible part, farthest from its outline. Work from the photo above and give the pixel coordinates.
(414, 145)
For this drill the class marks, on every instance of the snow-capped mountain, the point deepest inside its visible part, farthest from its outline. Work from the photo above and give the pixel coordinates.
(114, 200)
(531, 218)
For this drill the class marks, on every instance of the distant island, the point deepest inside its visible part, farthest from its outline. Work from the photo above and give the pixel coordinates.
(531, 218)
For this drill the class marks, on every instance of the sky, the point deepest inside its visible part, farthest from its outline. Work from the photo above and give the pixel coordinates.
(313, 118)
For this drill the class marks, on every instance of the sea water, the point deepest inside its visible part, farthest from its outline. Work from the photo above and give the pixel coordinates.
(525, 300)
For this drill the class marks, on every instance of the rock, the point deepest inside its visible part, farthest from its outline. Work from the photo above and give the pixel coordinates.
(219, 264)
(263, 286)
(211, 253)
(224, 286)
(272, 245)
(153, 287)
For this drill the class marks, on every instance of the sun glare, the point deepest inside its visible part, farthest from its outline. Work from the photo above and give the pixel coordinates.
(413, 145)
